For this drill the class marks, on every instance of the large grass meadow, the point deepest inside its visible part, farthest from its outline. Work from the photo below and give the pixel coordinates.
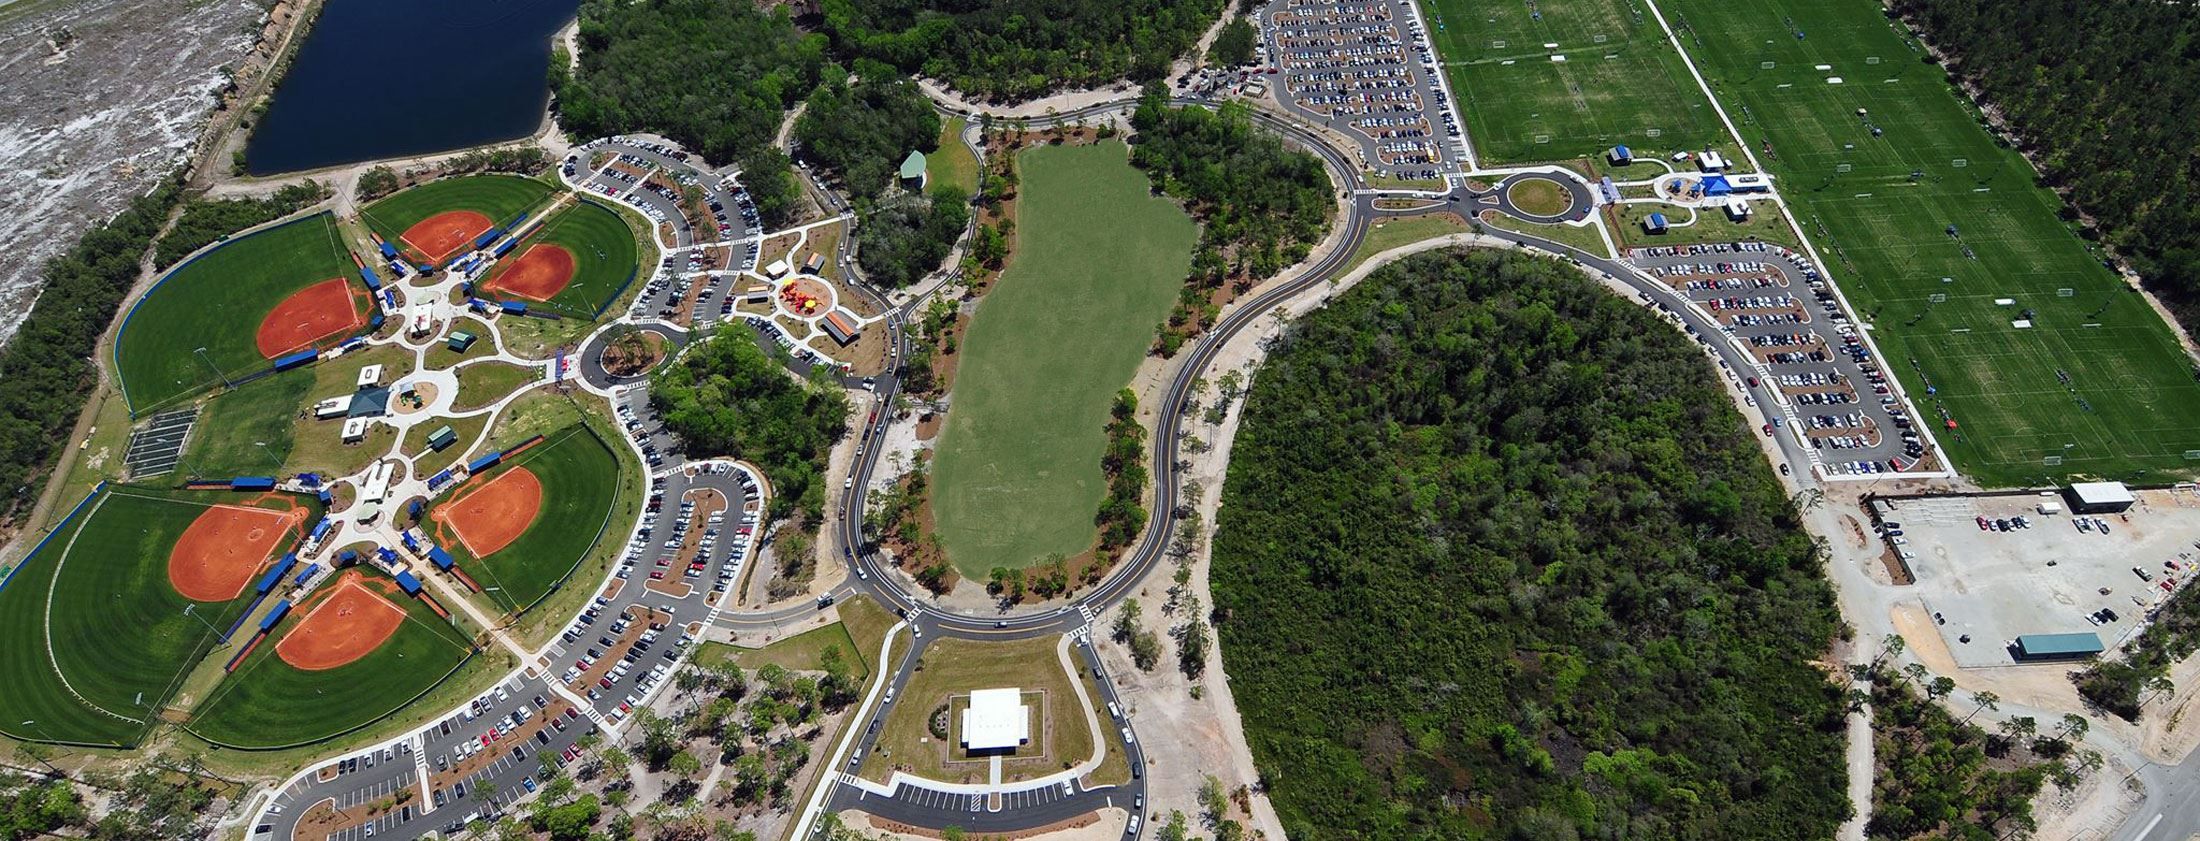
(101, 579)
(268, 703)
(1098, 261)
(197, 326)
(1620, 82)
(580, 481)
(2098, 381)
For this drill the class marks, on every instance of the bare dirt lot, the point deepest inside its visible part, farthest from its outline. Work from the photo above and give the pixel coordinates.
(1993, 586)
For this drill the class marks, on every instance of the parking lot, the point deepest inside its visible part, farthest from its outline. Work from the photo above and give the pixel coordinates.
(1365, 69)
(1985, 585)
(1824, 385)
(713, 238)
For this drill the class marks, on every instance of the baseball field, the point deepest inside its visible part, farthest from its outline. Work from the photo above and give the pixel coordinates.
(576, 263)
(440, 219)
(357, 651)
(1018, 475)
(227, 313)
(1567, 79)
(2049, 364)
(519, 528)
(119, 571)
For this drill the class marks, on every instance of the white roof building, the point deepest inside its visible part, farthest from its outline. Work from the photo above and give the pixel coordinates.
(995, 719)
(2102, 493)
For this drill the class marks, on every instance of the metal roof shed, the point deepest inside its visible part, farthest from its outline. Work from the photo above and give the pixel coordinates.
(2058, 646)
(2100, 497)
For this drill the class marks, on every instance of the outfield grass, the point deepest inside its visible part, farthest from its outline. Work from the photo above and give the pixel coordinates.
(267, 703)
(101, 580)
(604, 257)
(580, 480)
(216, 303)
(1621, 83)
(499, 197)
(1098, 261)
(265, 427)
(2130, 409)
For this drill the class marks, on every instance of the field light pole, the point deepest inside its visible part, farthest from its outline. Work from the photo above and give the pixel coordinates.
(187, 611)
(41, 755)
(201, 353)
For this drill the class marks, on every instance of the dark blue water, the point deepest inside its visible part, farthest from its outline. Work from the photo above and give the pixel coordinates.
(391, 78)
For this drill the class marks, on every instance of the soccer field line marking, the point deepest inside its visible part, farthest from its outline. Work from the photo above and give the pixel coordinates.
(51, 658)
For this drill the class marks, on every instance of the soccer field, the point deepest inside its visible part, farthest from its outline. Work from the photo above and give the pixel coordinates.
(2097, 385)
(268, 703)
(580, 481)
(605, 256)
(1620, 82)
(1098, 261)
(197, 324)
(103, 578)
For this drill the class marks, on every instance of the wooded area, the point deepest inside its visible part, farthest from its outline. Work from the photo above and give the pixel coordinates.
(46, 369)
(1940, 777)
(1013, 50)
(857, 132)
(904, 237)
(1497, 558)
(1261, 205)
(714, 75)
(2091, 90)
(727, 398)
(2122, 684)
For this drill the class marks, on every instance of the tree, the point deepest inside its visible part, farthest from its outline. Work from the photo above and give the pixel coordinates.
(1213, 804)
(1233, 46)
(572, 821)
(768, 176)
(377, 182)
(1985, 701)
(857, 131)
(1014, 50)
(726, 397)
(1126, 620)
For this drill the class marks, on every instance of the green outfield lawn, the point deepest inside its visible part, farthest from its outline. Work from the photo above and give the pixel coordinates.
(111, 585)
(1098, 261)
(483, 383)
(953, 163)
(604, 252)
(203, 316)
(1621, 82)
(267, 703)
(580, 480)
(2130, 408)
(499, 197)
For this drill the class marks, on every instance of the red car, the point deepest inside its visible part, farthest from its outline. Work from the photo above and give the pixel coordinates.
(1983, 525)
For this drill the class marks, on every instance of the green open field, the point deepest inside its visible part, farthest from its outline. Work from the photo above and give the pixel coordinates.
(580, 480)
(2130, 408)
(101, 579)
(499, 197)
(1621, 83)
(265, 427)
(1711, 225)
(203, 315)
(604, 256)
(267, 703)
(1098, 261)
(953, 163)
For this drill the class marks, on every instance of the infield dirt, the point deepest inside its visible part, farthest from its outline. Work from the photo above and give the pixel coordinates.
(309, 315)
(222, 549)
(495, 514)
(444, 234)
(539, 273)
(351, 622)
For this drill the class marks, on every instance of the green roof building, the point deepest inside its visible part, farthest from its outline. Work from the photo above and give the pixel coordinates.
(912, 170)
(460, 340)
(2075, 646)
(442, 438)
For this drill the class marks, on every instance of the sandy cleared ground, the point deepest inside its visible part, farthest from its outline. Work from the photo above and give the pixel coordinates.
(84, 128)
(2099, 803)
(1103, 825)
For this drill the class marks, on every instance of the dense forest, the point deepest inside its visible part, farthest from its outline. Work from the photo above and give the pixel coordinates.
(2090, 89)
(726, 397)
(858, 130)
(1261, 205)
(714, 75)
(1021, 49)
(1939, 776)
(206, 220)
(1497, 559)
(46, 369)
(904, 237)
(162, 798)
